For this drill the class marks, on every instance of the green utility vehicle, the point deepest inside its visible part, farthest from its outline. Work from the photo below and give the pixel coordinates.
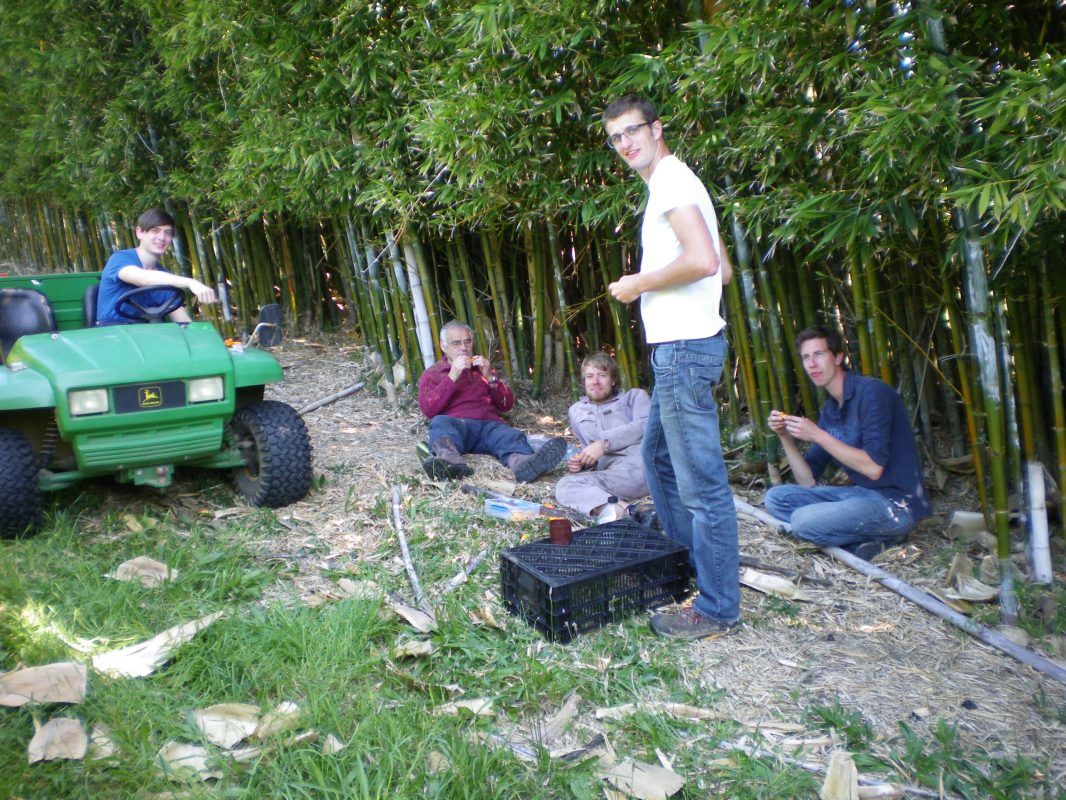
(134, 401)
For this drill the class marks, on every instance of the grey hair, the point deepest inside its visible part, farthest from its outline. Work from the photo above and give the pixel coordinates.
(455, 323)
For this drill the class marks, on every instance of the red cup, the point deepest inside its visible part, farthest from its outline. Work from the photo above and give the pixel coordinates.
(559, 530)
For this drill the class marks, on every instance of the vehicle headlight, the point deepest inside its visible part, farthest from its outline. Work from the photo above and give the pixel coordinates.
(88, 401)
(202, 390)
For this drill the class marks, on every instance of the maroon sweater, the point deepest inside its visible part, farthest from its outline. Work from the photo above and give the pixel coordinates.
(470, 397)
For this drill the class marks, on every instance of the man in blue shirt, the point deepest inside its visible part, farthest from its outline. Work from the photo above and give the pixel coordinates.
(864, 428)
(139, 266)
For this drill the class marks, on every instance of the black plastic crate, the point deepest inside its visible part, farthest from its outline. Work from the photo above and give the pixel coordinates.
(606, 573)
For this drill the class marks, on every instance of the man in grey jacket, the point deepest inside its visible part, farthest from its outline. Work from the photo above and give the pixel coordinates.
(610, 425)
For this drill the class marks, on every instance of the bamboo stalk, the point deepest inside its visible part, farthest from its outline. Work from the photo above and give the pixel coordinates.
(564, 326)
(1058, 405)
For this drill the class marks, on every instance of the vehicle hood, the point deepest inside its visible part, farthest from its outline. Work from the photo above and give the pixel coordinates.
(121, 354)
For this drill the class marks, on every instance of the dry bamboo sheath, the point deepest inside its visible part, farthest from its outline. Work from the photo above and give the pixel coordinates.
(929, 603)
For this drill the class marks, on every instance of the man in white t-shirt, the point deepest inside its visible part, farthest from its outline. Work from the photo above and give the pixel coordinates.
(682, 271)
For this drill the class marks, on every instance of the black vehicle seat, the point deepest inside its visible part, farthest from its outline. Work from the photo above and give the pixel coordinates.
(23, 312)
(88, 304)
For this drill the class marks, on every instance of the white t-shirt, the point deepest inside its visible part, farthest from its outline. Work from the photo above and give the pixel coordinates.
(683, 312)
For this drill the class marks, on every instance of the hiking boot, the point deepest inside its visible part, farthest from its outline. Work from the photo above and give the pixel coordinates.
(688, 623)
(528, 467)
(440, 469)
(446, 464)
(868, 550)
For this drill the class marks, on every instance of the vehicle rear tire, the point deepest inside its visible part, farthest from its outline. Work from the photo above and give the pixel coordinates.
(273, 439)
(20, 497)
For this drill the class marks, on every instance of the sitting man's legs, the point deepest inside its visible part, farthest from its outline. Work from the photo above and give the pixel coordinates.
(512, 449)
(840, 516)
(449, 438)
(591, 489)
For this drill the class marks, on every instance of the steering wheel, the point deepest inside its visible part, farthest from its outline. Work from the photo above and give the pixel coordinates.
(144, 313)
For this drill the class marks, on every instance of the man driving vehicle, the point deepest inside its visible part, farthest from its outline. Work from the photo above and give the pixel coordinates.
(127, 292)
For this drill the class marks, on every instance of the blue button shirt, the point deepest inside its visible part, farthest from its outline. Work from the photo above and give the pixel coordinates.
(871, 417)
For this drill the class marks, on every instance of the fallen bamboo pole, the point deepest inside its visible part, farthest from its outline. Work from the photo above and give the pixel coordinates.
(412, 575)
(333, 398)
(460, 577)
(917, 596)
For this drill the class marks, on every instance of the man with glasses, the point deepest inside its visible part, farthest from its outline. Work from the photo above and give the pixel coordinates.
(864, 428)
(464, 397)
(682, 270)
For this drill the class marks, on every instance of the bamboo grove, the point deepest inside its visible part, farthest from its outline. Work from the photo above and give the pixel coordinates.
(895, 168)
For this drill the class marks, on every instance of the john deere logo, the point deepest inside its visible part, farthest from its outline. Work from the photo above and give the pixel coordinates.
(149, 397)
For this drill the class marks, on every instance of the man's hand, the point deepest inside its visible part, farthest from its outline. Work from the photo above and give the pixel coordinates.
(797, 427)
(587, 457)
(626, 289)
(776, 422)
(202, 292)
(460, 364)
(483, 364)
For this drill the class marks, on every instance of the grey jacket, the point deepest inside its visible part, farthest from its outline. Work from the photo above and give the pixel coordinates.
(621, 420)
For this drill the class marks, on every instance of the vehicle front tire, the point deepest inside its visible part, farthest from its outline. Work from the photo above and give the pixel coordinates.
(276, 448)
(20, 497)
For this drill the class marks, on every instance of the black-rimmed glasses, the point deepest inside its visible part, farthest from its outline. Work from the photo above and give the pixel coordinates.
(615, 139)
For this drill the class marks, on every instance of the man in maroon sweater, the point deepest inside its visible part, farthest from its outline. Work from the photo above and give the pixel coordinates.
(463, 397)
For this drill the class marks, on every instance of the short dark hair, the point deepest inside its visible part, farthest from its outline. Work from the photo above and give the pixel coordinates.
(630, 102)
(154, 218)
(601, 360)
(833, 340)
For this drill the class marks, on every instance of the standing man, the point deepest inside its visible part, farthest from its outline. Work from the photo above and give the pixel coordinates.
(682, 271)
(139, 266)
(863, 427)
(463, 397)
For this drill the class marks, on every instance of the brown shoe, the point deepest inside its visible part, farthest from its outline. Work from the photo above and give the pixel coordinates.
(688, 623)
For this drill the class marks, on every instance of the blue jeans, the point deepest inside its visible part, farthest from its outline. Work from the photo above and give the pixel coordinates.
(686, 474)
(839, 515)
(483, 436)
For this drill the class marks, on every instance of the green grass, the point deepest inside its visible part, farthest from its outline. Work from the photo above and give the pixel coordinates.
(337, 663)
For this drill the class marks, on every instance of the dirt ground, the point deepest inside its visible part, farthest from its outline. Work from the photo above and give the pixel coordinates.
(854, 641)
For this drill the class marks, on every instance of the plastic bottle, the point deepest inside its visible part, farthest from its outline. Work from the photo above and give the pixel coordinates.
(610, 511)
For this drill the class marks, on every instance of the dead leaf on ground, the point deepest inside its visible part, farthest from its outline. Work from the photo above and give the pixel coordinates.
(132, 523)
(413, 648)
(60, 737)
(62, 682)
(284, 717)
(233, 511)
(437, 762)
(841, 778)
(415, 616)
(143, 658)
(484, 616)
(544, 733)
(360, 590)
(644, 781)
(679, 710)
(143, 570)
(226, 724)
(969, 526)
(880, 791)
(953, 603)
(479, 707)
(773, 584)
(332, 745)
(181, 761)
(100, 744)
